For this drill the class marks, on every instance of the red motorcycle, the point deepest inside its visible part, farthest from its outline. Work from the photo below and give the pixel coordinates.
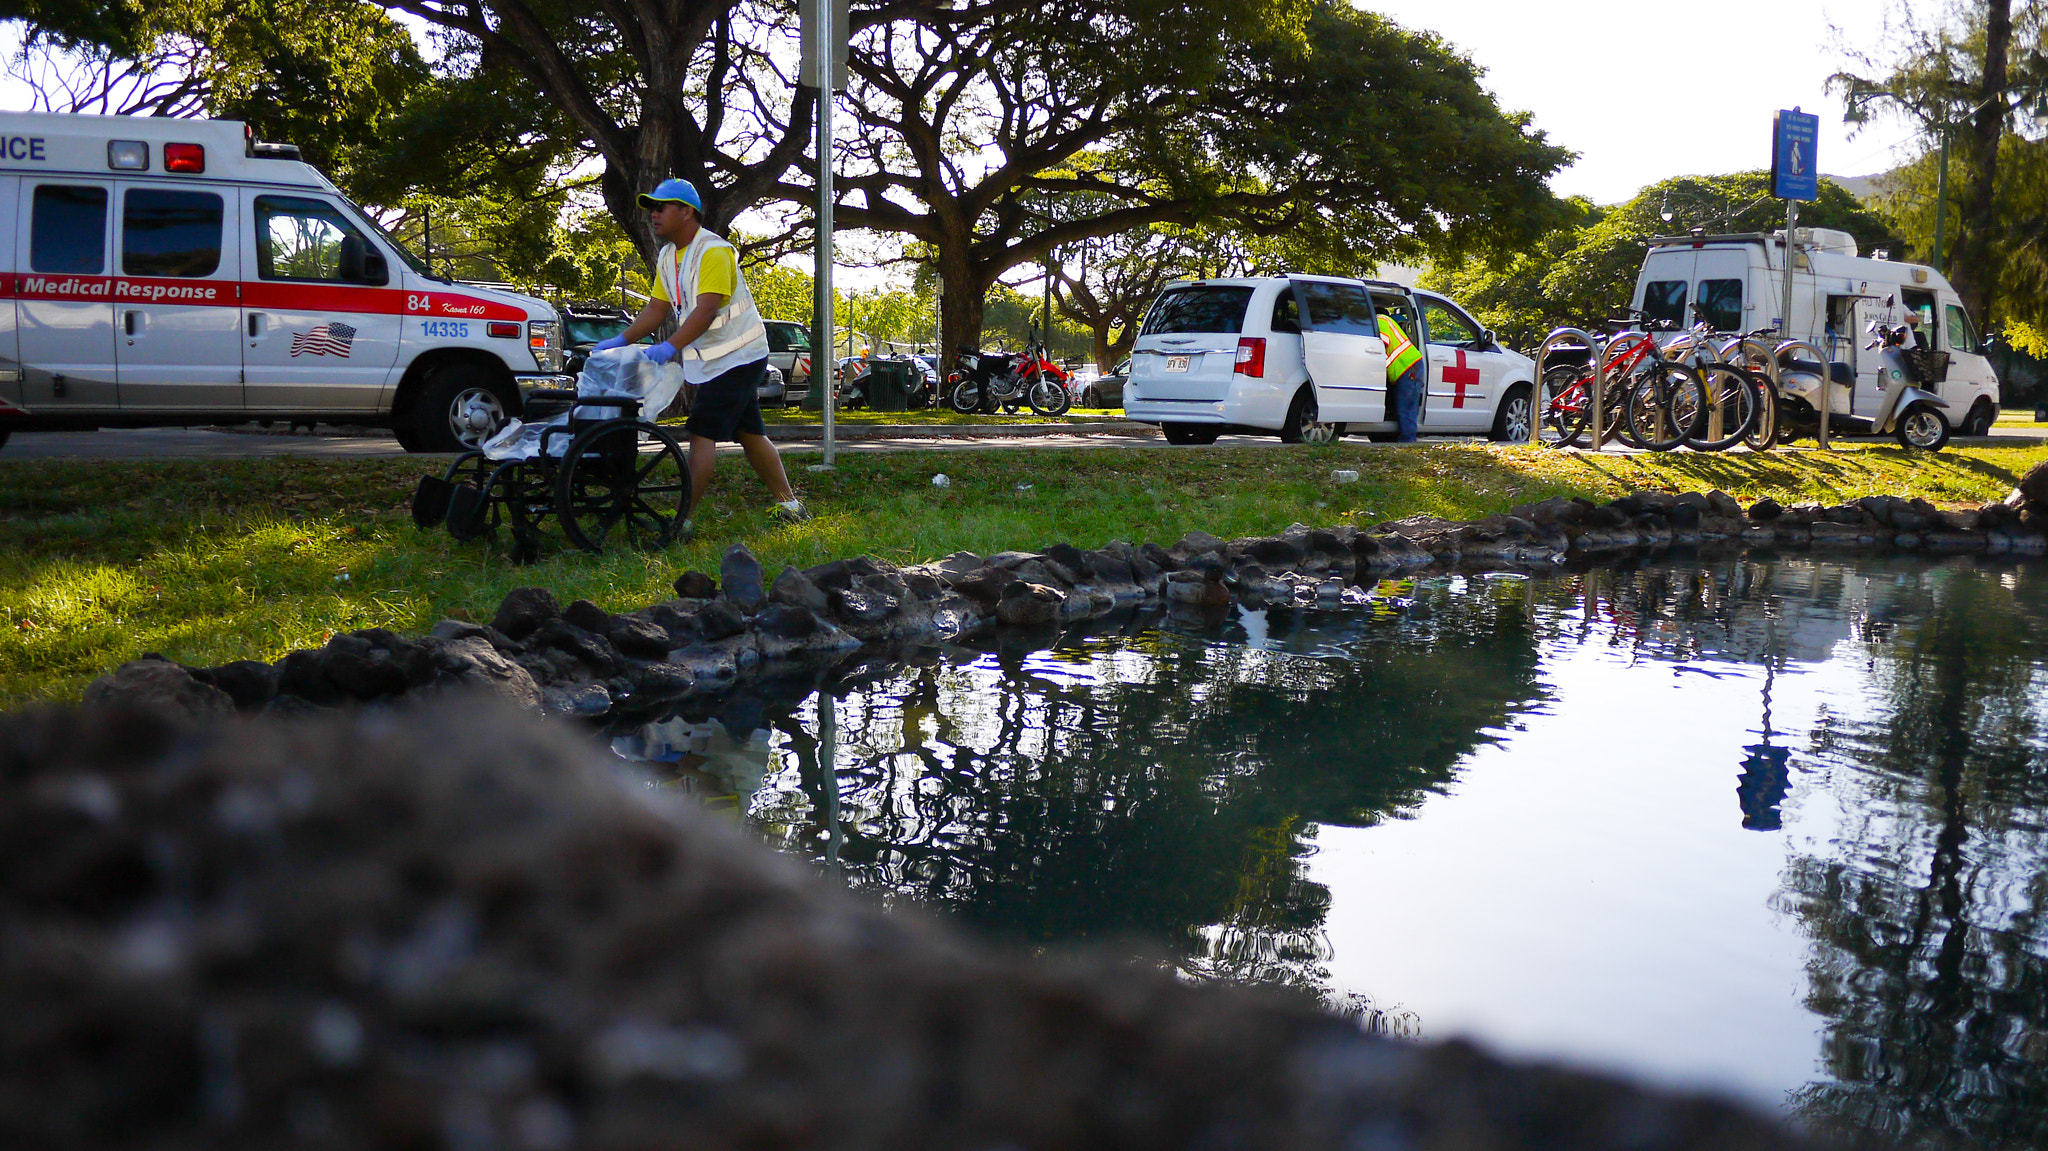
(980, 381)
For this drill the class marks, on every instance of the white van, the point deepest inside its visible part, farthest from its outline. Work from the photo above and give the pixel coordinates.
(1302, 356)
(176, 272)
(1734, 282)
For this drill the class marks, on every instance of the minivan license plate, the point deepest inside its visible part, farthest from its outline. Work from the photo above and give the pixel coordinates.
(1176, 363)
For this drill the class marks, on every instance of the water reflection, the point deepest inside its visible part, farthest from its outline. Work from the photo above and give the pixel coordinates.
(1165, 785)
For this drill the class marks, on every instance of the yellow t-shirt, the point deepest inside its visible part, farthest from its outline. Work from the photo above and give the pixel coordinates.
(717, 272)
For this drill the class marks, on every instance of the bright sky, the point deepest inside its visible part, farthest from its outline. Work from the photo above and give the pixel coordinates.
(1615, 81)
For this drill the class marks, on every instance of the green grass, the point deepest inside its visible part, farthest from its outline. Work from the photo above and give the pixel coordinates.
(212, 561)
(2020, 418)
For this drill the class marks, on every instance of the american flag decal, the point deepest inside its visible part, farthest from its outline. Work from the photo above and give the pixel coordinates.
(326, 340)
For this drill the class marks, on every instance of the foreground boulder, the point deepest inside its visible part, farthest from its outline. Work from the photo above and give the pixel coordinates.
(459, 927)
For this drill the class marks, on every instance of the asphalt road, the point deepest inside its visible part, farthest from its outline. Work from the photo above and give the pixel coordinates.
(794, 439)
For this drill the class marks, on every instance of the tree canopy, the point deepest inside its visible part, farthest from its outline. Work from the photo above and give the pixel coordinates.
(1585, 272)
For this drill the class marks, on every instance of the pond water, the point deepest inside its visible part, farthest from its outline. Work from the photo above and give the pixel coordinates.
(1771, 827)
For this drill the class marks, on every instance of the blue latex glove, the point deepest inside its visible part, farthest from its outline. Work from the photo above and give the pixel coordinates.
(610, 342)
(661, 351)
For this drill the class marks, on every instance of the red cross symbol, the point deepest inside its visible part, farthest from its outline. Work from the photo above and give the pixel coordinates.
(1461, 376)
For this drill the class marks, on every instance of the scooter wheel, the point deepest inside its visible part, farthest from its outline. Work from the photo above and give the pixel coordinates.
(1922, 427)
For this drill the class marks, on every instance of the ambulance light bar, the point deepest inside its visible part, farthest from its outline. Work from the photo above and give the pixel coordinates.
(185, 158)
(128, 155)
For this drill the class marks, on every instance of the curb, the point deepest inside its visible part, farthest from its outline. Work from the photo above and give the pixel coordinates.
(802, 432)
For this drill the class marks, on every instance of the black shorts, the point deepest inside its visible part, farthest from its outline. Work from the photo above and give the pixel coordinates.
(729, 403)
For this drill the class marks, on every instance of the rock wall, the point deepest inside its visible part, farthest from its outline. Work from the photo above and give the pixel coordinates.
(457, 926)
(583, 661)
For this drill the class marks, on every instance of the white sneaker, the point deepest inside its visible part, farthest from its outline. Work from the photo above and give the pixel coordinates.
(790, 512)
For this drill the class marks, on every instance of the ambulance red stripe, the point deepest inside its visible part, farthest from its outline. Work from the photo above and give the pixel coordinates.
(254, 294)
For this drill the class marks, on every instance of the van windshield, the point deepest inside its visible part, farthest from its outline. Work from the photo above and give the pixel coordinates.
(1201, 308)
(404, 253)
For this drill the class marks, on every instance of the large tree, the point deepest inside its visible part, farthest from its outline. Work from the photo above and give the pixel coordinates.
(1965, 82)
(1306, 119)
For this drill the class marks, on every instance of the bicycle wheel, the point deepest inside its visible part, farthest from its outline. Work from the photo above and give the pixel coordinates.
(1763, 435)
(1668, 403)
(1732, 403)
(609, 487)
(1567, 395)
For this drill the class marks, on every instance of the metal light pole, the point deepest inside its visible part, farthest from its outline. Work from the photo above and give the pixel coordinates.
(823, 339)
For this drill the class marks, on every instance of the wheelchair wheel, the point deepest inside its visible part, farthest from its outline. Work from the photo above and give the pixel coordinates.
(612, 486)
(470, 481)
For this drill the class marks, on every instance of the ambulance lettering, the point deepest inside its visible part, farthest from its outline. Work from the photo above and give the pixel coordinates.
(22, 148)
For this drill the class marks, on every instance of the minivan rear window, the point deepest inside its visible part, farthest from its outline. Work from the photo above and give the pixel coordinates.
(68, 230)
(1203, 308)
(1665, 300)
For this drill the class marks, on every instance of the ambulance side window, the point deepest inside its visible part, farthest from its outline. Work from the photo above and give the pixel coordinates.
(299, 239)
(1665, 300)
(165, 232)
(1721, 301)
(68, 232)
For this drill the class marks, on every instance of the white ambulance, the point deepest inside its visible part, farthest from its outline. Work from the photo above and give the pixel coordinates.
(177, 272)
(1734, 283)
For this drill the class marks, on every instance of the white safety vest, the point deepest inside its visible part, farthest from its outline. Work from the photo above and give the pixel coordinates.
(737, 334)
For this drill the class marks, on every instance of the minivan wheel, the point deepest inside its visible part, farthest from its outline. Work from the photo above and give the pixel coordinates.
(1304, 421)
(461, 406)
(1922, 427)
(1511, 423)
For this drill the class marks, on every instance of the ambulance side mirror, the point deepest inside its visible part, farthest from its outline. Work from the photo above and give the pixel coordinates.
(351, 259)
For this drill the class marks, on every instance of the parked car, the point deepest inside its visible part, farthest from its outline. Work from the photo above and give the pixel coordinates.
(789, 349)
(1104, 391)
(1301, 356)
(584, 323)
(775, 389)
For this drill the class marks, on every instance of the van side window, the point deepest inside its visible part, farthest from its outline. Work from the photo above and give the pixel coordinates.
(1286, 313)
(1721, 304)
(1665, 300)
(299, 239)
(1341, 308)
(165, 232)
(68, 230)
(1446, 326)
(1961, 336)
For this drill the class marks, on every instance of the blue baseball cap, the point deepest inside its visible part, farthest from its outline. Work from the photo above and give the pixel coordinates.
(673, 190)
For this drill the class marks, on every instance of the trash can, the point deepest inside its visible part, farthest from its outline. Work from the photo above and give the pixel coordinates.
(888, 385)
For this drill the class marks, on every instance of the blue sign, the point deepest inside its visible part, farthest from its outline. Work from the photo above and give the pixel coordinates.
(1794, 171)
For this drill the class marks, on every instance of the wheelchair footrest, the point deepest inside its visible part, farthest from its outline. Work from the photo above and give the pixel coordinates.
(430, 501)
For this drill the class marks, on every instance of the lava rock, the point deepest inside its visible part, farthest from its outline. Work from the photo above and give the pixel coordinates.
(593, 651)
(795, 589)
(588, 616)
(577, 700)
(1766, 510)
(637, 635)
(250, 683)
(524, 610)
(720, 619)
(170, 690)
(739, 574)
(471, 664)
(1723, 504)
(695, 585)
(1025, 604)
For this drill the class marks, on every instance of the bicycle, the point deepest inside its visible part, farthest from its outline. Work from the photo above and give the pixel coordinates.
(1733, 394)
(1569, 387)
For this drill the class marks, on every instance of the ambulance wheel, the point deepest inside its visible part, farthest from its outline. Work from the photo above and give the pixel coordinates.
(462, 405)
(1922, 427)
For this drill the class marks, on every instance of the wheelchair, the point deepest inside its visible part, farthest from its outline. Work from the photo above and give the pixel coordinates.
(618, 478)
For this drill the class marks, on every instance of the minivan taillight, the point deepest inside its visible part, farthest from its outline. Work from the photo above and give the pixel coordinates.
(1251, 357)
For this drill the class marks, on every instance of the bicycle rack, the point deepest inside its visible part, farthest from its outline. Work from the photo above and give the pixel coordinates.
(1557, 339)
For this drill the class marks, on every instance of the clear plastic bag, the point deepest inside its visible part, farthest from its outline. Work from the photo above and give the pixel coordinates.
(623, 372)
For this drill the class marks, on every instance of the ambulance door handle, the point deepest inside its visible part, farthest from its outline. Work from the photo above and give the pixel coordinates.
(255, 324)
(128, 325)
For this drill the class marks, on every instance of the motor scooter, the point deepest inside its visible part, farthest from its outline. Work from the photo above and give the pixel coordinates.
(1909, 410)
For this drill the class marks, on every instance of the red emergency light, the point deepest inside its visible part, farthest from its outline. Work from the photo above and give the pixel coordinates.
(185, 158)
(503, 329)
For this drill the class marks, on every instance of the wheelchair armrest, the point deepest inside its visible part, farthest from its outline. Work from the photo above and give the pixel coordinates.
(551, 394)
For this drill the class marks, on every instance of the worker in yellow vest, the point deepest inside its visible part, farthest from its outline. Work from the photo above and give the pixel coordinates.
(1404, 377)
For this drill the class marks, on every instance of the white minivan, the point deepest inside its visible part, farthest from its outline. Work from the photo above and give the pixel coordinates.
(1302, 356)
(176, 272)
(1734, 283)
